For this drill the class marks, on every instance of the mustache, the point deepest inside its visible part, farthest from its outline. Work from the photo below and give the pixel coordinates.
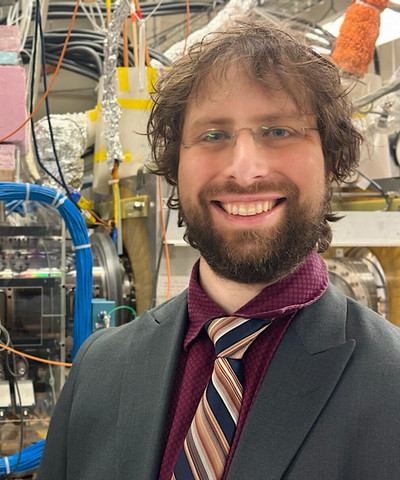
(264, 186)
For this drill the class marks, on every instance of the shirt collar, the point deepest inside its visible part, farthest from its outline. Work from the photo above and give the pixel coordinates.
(303, 287)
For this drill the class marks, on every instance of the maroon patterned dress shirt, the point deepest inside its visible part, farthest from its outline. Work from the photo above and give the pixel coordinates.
(280, 301)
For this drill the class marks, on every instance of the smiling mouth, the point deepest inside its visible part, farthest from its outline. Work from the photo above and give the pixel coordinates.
(248, 209)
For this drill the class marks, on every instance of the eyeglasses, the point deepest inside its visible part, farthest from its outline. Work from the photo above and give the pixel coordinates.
(274, 137)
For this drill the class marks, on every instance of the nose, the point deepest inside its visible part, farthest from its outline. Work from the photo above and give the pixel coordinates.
(246, 163)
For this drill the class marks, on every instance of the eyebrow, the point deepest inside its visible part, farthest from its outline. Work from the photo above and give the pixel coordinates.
(262, 119)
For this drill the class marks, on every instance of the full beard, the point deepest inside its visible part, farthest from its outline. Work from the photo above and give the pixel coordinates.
(257, 255)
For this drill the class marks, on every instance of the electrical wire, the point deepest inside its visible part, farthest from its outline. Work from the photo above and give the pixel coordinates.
(39, 104)
(331, 8)
(90, 15)
(7, 335)
(164, 235)
(34, 141)
(121, 307)
(313, 32)
(157, 269)
(142, 35)
(378, 188)
(154, 10)
(83, 257)
(27, 460)
(134, 36)
(187, 28)
(38, 26)
(108, 12)
(16, 376)
(85, 52)
(125, 42)
(32, 357)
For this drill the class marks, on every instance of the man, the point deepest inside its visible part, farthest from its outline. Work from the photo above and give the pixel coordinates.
(252, 127)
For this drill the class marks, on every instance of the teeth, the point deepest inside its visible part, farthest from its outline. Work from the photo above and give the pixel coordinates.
(267, 206)
(242, 210)
(247, 209)
(251, 210)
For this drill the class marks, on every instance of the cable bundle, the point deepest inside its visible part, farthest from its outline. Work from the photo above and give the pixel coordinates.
(85, 52)
(29, 459)
(83, 255)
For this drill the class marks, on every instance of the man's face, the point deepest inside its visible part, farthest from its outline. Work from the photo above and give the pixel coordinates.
(253, 210)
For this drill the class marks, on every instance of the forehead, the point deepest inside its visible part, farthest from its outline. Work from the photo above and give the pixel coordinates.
(234, 94)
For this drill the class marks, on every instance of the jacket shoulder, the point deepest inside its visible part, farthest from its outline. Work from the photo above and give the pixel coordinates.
(110, 337)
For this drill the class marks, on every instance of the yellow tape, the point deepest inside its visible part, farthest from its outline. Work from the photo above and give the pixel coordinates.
(101, 156)
(93, 114)
(135, 103)
(151, 78)
(123, 79)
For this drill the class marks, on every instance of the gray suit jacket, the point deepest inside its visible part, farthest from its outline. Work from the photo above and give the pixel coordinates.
(328, 408)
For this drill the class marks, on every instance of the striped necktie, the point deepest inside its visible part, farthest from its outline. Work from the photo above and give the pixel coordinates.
(206, 447)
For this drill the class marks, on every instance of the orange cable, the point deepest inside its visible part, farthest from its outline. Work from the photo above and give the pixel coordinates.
(165, 239)
(137, 7)
(115, 180)
(99, 220)
(125, 41)
(108, 12)
(146, 54)
(37, 359)
(53, 77)
(187, 30)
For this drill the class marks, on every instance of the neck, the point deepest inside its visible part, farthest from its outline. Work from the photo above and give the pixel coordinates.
(228, 294)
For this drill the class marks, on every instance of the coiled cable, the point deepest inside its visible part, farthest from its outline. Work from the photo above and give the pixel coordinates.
(83, 255)
(28, 459)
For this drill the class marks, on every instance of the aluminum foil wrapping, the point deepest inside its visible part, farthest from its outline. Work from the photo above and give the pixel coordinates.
(235, 8)
(111, 110)
(70, 139)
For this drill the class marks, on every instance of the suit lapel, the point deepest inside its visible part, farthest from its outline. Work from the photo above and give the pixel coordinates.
(300, 380)
(143, 403)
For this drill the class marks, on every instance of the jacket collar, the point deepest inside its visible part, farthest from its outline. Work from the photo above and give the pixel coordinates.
(302, 375)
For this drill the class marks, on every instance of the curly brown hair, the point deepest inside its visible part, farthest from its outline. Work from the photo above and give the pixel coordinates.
(271, 57)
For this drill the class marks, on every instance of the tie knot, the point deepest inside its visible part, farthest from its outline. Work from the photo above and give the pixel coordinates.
(232, 336)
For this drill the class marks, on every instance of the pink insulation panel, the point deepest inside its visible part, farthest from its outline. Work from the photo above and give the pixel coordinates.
(9, 38)
(12, 103)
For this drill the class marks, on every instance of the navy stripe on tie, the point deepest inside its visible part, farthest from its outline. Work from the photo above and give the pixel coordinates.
(220, 411)
(241, 331)
(182, 467)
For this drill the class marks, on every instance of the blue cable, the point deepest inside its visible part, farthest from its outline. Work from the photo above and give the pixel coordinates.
(30, 459)
(15, 206)
(83, 255)
(17, 193)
